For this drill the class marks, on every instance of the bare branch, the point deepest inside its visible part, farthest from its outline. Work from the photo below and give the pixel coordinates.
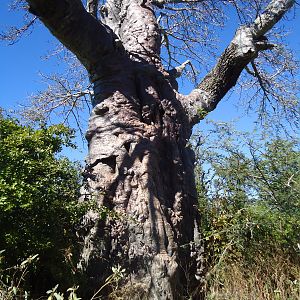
(245, 46)
(66, 99)
(190, 31)
(273, 13)
(161, 3)
(92, 7)
(13, 34)
(64, 18)
(177, 71)
(260, 79)
(274, 94)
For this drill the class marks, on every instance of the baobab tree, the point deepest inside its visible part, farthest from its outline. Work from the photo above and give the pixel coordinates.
(139, 166)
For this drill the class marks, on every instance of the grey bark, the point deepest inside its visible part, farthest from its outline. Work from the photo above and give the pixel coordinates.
(139, 166)
(92, 7)
(244, 47)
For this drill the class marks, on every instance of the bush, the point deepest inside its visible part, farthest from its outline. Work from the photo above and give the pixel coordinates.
(38, 199)
(249, 199)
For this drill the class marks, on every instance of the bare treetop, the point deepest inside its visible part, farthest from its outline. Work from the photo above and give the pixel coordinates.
(181, 30)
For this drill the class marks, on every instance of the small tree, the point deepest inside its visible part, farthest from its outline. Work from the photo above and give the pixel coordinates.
(249, 202)
(249, 197)
(38, 199)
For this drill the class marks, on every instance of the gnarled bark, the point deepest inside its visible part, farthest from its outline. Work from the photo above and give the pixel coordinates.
(139, 167)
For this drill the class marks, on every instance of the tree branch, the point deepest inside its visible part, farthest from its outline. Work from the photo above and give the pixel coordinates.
(273, 13)
(161, 3)
(92, 7)
(13, 34)
(77, 29)
(244, 47)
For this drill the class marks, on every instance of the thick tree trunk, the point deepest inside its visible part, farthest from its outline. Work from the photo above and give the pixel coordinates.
(140, 169)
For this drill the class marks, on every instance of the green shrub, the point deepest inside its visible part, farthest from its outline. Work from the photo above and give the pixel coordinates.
(38, 199)
(249, 200)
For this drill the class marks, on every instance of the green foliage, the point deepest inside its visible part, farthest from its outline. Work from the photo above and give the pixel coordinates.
(112, 280)
(12, 282)
(279, 168)
(53, 294)
(249, 198)
(12, 278)
(38, 197)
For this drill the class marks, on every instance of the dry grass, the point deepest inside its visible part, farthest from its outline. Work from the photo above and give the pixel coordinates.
(271, 279)
(132, 291)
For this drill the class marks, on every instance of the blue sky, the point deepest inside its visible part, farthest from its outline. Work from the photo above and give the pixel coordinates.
(22, 62)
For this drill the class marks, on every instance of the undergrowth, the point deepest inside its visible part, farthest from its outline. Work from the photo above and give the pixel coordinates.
(273, 278)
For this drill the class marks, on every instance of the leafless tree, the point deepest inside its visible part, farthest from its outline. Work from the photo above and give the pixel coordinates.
(139, 165)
